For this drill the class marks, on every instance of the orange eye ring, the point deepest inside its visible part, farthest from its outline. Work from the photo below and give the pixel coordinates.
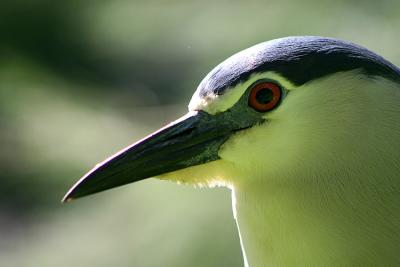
(264, 96)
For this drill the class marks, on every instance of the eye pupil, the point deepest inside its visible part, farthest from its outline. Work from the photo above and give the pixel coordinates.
(264, 96)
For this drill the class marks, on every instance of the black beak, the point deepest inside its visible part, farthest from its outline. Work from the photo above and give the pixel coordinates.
(191, 140)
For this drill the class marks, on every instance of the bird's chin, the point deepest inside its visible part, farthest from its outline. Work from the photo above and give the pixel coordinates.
(211, 174)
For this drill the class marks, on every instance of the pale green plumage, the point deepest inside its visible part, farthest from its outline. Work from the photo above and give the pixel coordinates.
(319, 184)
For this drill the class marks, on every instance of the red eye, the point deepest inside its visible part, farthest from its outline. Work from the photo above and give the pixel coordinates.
(264, 96)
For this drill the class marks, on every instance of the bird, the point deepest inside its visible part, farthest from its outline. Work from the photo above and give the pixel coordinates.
(305, 131)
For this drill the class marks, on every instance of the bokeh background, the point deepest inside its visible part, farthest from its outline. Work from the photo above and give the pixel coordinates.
(81, 79)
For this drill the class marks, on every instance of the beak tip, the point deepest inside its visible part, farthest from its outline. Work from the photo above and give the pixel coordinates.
(72, 193)
(75, 191)
(67, 198)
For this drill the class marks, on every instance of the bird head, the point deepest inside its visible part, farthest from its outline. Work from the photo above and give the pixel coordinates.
(272, 107)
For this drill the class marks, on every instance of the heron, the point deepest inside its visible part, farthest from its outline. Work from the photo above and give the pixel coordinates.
(305, 131)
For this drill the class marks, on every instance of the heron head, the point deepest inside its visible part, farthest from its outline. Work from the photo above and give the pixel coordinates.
(264, 109)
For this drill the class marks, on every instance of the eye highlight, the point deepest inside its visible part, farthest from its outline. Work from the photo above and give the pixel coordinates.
(264, 96)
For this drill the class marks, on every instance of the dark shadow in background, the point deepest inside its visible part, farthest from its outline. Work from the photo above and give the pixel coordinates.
(48, 33)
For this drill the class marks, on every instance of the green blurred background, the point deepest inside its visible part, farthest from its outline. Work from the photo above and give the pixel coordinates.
(81, 79)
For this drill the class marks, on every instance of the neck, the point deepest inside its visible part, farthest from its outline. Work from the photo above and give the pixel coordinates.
(281, 225)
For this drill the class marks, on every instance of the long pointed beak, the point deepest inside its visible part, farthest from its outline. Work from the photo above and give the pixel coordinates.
(191, 140)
